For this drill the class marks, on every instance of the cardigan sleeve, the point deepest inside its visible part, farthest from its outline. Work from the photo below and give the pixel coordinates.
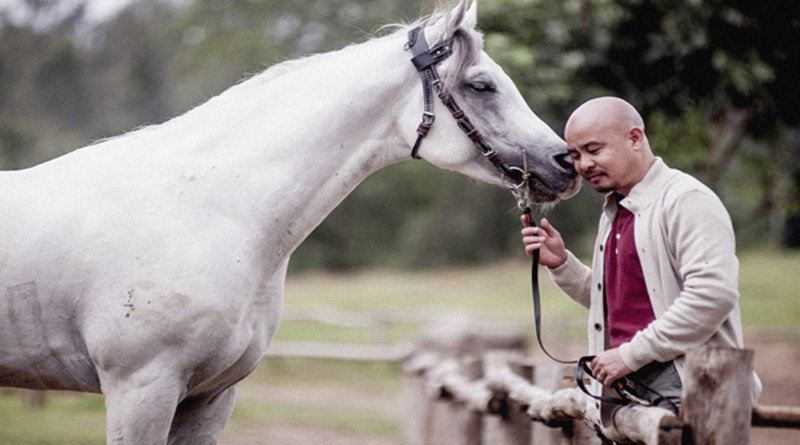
(701, 240)
(574, 278)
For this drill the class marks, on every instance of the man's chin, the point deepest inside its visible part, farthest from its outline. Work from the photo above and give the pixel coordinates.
(601, 187)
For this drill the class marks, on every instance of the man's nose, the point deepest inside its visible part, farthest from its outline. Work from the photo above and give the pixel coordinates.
(583, 163)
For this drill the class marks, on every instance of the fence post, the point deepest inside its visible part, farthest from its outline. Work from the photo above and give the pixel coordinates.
(717, 403)
(452, 422)
(417, 401)
(508, 424)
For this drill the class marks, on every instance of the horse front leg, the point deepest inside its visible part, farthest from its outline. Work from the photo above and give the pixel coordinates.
(200, 421)
(140, 408)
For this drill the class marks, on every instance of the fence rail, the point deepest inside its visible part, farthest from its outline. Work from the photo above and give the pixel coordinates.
(483, 396)
(470, 384)
(498, 398)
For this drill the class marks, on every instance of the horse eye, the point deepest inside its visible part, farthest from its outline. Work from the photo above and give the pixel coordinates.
(482, 86)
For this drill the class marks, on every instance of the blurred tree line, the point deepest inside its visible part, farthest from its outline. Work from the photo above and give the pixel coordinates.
(715, 81)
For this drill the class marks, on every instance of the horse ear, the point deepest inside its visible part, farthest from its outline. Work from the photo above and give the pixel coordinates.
(445, 29)
(471, 18)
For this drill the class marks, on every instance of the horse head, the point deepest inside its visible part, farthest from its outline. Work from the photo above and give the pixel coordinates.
(489, 113)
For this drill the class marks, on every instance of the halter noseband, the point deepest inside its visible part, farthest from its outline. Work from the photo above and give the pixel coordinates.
(425, 60)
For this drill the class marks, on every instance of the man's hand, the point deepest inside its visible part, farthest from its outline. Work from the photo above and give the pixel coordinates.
(608, 367)
(546, 239)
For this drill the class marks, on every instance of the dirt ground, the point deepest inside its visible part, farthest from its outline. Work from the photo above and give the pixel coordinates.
(776, 362)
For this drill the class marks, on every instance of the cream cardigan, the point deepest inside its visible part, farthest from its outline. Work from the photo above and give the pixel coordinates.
(687, 249)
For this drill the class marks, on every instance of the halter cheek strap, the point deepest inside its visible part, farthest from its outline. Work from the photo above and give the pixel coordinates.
(425, 60)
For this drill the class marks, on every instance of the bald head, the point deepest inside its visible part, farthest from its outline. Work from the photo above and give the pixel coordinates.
(606, 113)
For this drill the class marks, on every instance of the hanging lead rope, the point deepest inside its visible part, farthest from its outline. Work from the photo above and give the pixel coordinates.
(537, 303)
(628, 388)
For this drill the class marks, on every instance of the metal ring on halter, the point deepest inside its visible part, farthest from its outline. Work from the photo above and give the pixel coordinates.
(520, 191)
(510, 179)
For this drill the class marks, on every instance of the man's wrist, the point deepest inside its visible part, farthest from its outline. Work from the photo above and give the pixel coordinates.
(561, 262)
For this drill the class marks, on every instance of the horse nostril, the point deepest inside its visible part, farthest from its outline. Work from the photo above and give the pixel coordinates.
(565, 161)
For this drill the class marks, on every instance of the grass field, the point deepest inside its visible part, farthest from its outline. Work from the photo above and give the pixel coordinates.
(316, 400)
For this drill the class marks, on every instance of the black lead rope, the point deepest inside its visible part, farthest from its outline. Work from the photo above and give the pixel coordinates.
(537, 299)
(628, 389)
(618, 385)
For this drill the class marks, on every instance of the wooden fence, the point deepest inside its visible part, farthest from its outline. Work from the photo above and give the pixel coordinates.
(471, 384)
(499, 398)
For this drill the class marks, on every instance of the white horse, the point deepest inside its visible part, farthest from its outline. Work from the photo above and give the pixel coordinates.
(150, 267)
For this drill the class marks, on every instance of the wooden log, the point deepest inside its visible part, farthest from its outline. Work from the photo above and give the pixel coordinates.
(508, 424)
(561, 410)
(633, 423)
(418, 403)
(670, 431)
(644, 424)
(717, 403)
(776, 416)
(457, 380)
(571, 432)
(456, 416)
(562, 405)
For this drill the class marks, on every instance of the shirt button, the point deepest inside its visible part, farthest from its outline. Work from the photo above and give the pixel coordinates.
(601, 247)
(598, 327)
(599, 286)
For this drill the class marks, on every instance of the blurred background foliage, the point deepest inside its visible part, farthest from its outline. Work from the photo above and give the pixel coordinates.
(715, 81)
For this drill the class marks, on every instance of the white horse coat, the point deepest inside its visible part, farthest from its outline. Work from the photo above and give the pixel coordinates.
(150, 266)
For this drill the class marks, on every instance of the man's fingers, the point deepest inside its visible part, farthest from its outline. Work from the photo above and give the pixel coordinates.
(548, 228)
(527, 219)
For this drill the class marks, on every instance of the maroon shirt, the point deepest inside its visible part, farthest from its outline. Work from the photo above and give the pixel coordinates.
(628, 308)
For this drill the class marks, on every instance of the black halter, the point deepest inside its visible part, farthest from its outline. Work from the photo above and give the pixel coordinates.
(425, 60)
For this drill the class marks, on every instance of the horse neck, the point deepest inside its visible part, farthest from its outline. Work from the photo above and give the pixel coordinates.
(292, 144)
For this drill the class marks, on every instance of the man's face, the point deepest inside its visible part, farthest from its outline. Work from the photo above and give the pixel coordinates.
(602, 156)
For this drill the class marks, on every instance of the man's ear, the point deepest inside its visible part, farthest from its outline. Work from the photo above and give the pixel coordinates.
(637, 137)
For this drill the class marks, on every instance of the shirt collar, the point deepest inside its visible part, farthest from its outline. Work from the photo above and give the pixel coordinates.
(645, 191)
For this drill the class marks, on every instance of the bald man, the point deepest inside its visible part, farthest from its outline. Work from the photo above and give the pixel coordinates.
(664, 274)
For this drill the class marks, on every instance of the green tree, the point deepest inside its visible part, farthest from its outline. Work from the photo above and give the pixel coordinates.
(715, 81)
(726, 71)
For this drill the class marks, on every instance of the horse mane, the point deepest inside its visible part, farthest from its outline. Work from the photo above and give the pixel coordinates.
(467, 45)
